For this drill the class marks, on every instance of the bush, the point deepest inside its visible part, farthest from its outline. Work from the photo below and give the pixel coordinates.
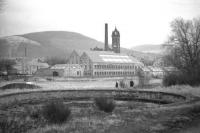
(34, 112)
(56, 112)
(172, 79)
(180, 79)
(105, 104)
(19, 86)
(12, 125)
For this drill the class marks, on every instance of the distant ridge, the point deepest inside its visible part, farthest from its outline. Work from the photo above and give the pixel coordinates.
(50, 43)
(54, 43)
(149, 48)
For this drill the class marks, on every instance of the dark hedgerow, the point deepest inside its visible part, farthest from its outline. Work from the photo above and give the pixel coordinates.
(56, 112)
(105, 104)
(180, 79)
(20, 86)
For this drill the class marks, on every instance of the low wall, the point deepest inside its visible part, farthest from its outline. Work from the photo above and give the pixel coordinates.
(38, 97)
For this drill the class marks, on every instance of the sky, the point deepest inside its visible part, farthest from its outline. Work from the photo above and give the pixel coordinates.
(139, 21)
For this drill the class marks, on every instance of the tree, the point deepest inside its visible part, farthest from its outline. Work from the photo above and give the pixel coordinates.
(6, 65)
(184, 50)
(55, 60)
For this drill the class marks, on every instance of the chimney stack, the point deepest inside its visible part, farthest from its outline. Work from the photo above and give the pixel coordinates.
(106, 37)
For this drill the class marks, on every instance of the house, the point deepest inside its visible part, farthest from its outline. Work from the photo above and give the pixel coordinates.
(67, 70)
(29, 65)
(145, 71)
(168, 70)
(157, 72)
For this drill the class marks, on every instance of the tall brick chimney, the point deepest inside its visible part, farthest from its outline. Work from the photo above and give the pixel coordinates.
(106, 38)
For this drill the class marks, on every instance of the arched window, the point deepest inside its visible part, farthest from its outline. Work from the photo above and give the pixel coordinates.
(55, 74)
(131, 83)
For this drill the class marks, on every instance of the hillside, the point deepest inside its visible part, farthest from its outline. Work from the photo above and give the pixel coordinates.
(148, 48)
(48, 43)
(54, 43)
(63, 40)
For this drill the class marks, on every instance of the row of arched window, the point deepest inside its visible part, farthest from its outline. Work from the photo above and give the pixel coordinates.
(110, 66)
(113, 73)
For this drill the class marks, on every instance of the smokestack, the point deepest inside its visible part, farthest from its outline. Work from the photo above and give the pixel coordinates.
(106, 37)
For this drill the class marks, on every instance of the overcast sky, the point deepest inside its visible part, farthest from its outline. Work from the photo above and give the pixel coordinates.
(139, 21)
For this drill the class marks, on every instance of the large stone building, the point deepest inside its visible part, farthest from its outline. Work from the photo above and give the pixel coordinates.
(107, 63)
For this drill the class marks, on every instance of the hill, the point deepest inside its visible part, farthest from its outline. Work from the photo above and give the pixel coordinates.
(48, 43)
(54, 43)
(148, 48)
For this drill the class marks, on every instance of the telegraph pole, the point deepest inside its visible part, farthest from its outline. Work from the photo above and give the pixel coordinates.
(25, 62)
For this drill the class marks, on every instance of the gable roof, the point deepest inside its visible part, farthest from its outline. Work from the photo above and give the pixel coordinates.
(110, 57)
(76, 52)
(155, 69)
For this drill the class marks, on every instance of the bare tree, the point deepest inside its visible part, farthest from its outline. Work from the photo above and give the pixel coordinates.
(184, 52)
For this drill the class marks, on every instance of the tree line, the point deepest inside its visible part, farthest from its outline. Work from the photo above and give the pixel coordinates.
(183, 51)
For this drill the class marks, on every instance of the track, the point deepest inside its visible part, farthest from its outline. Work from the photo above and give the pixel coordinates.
(35, 97)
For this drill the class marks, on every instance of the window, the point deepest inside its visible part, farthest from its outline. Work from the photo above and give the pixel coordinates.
(55, 74)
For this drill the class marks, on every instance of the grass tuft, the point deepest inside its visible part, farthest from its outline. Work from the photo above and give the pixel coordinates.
(105, 104)
(56, 112)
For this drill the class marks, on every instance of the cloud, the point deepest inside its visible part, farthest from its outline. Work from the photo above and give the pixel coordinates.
(139, 21)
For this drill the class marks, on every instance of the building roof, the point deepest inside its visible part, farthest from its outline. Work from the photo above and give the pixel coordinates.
(145, 69)
(170, 69)
(35, 62)
(115, 32)
(111, 57)
(30, 62)
(65, 66)
(155, 69)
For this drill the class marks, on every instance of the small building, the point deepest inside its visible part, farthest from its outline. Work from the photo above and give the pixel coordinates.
(62, 70)
(35, 65)
(146, 72)
(47, 72)
(169, 70)
(157, 72)
(67, 70)
(28, 65)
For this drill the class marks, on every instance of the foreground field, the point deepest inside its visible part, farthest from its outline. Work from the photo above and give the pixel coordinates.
(22, 110)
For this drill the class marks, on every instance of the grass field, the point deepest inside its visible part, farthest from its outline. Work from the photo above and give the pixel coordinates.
(21, 111)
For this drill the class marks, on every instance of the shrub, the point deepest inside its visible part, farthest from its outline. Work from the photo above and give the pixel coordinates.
(34, 112)
(178, 79)
(12, 125)
(122, 84)
(105, 104)
(56, 112)
(19, 86)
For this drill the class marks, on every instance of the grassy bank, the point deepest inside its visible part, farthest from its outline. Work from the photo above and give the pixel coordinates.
(126, 117)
